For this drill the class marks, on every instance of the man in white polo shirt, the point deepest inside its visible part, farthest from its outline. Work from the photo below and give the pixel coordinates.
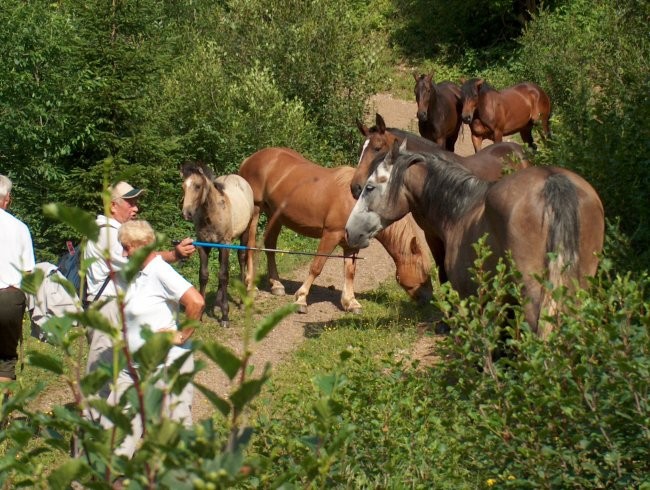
(16, 257)
(99, 284)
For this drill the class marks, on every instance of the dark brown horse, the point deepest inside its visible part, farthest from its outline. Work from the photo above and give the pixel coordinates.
(221, 209)
(549, 218)
(493, 114)
(488, 164)
(439, 110)
(315, 202)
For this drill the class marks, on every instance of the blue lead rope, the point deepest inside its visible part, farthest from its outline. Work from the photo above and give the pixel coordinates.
(260, 249)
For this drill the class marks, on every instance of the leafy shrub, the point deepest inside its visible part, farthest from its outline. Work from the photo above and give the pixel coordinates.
(569, 412)
(590, 60)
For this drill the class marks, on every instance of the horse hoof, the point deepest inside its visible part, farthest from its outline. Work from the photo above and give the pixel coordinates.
(225, 323)
(302, 309)
(277, 291)
(355, 311)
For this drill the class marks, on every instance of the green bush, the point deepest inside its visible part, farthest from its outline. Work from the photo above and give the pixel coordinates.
(591, 58)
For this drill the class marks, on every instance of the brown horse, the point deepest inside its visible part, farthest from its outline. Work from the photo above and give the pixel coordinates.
(221, 209)
(493, 114)
(488, 164)
(314, 201)
(549, 218)
(439, 110)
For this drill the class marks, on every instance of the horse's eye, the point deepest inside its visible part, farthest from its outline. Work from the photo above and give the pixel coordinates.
(368, 189)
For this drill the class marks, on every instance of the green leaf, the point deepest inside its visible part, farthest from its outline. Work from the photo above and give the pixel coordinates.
(221, 404)
(134, 265)
(32, 281)
(78, 219)
(66, 473)
(223, 357)
(268, 323)
(154, 352)
(44, 361)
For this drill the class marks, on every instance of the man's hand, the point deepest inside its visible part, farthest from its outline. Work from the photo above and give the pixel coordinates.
(184, 249)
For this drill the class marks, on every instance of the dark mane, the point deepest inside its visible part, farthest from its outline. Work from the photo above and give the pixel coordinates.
(455, 188)
(197, 167)
(468, 89)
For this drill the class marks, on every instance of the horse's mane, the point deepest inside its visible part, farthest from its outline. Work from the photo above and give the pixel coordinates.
(468, 89)
(197, 167)
(450, 190)
(397, 238)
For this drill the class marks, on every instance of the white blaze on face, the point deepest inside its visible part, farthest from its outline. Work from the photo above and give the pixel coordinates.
(363, 150)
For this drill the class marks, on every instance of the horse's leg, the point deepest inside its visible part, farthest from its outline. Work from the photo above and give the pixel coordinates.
(437, 247)
(477, 141)
(327, 243)
(526, 134)
(222, 291)
(250, 237)
(242, 256)
(204, 272)
(271, 241)
(348, 300)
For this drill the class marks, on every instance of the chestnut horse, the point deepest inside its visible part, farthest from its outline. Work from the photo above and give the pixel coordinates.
(493, 114)
(549, 218)
(221, 209)
(489, 164)
(439, 110)
(315, 202)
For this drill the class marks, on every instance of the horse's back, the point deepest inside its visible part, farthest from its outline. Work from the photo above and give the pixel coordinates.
(526, 208)
(240, 195)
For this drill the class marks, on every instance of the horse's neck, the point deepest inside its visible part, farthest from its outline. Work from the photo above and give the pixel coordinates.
(444, 193)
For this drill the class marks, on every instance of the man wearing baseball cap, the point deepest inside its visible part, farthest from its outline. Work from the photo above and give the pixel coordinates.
(99, 286)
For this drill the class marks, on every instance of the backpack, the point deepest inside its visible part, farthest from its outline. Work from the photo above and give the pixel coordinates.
(69, 264)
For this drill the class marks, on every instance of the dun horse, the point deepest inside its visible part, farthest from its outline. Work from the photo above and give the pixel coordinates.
(493, 114)
(489, 164)
(439, 110)
(536, 214)
(221, 209)
(315, 202)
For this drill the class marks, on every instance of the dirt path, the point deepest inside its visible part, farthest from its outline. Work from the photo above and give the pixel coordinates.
(324, 299)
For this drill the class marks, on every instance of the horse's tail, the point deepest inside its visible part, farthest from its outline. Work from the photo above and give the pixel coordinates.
(561, 213)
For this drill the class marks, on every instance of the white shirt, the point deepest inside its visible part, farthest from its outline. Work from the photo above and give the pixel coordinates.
(152, 300)
(16, 250)
(98, 271)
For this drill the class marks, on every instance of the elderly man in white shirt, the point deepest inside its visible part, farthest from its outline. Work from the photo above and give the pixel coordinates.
(17, 257)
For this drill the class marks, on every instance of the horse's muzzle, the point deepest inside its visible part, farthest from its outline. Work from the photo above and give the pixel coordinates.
(423, 116)
(356, 190)
(467, 118)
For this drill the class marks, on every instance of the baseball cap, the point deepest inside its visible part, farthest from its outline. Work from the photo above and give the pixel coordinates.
(123, 190)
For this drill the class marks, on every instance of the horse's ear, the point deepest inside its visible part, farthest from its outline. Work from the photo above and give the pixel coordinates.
(379, 121)
(362, 128)
(429, 77)
(397, 146)
(415, 75)
(479, 84)
(463, 80)
(415, 246)
(402, 147)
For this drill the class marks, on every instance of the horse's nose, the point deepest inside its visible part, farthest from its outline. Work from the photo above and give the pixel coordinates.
(187, 215)
(356, 190)
(422, 116)
(467, 118)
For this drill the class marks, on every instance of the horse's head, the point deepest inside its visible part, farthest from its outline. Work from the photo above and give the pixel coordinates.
(424, 93)
(413, 265)
(378, 140)
(469, 92)
(197, 179)
(373, 212)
